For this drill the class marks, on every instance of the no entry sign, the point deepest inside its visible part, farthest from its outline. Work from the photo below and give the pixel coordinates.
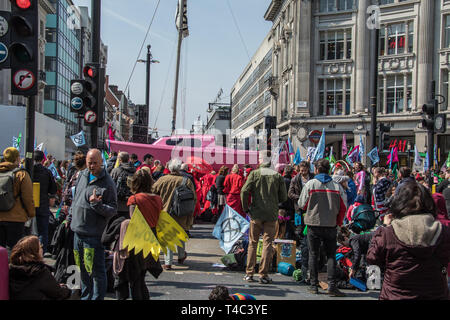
(24, 79)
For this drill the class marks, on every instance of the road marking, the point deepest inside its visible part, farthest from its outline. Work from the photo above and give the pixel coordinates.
(179, 272)
(218, 274)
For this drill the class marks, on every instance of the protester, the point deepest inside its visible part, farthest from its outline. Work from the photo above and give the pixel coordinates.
(323, 200)
(232, 187)
(111, 161)
(362, 181)
(267, 190)
(295, 190)
(286, 213)
(148, 162)
(414, 248)
(64, 169)
(158, 172)
(445, 183)
(79, 164)
(135, 161)
(220, 179)
(156, 163)
(29, 277)
(184, 172)
(120, 177)
(382, 184)
(19, 207)
(47, 187)
(404, 176)
(352, 191)
(165, 188)
(222, 293)
(130, 268)
(94, 202)
(351, 210)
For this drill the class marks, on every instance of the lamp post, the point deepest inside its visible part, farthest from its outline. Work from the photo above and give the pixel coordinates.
(149, 61)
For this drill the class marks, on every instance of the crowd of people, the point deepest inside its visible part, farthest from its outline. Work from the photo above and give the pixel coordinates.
(319, 209)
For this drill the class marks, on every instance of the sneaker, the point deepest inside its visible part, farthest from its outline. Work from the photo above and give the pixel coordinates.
(335, 292)
(249, 278)
(265, 280)
(313, 289)
(181, 261)
(167, 267)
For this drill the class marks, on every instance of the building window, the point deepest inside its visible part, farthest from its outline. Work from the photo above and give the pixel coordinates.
(445, 89)
(398, 93)
(335, 45)
(50, 93)
(50, 35)
(447, 32)
(397, 38)
(286, 100)
(335, 5)
(334, 99)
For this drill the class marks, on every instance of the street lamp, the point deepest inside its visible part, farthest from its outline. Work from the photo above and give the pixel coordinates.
(149, 61)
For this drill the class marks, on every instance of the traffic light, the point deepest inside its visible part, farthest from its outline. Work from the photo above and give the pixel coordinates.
(5, 39)
(23, 49)
(79, 98)
(434, 121)
(94, 84)
(384, 137)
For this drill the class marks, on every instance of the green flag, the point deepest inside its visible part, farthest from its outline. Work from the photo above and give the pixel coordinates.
(394, 171)
(447, 164)
(105, 154)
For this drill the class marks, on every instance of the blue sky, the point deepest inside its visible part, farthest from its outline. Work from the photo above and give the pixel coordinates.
(213, 56)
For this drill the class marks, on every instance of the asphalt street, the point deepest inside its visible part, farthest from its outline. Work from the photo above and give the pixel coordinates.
(197, 277)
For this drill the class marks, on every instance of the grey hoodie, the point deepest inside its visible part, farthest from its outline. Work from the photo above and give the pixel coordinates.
(89, 220)
(417, 230)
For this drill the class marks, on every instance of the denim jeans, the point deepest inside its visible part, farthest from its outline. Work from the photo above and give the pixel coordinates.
(90, 257)
(168, 258)
(42, 218)
(327, 235)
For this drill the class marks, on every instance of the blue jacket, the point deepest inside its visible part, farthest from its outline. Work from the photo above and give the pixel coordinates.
(89, 220)
(351, 192)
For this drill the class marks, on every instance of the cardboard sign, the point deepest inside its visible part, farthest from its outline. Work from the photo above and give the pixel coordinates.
(286, 251)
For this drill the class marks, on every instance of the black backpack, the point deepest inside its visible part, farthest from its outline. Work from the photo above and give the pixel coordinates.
(123, 191)
(363, 219)
(7, 199)
(212, 195)
(183, 200)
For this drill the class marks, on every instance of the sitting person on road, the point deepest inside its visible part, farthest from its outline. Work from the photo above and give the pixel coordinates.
(29, 277)
(222, 293)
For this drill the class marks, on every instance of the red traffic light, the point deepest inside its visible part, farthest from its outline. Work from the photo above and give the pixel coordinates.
(23, 4)
(90, 71)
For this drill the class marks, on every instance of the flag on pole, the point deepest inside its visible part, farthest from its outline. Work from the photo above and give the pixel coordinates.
(310, 153)
(39, 147)
(105, 157)
(320, 150)
(181, 20)
(15, 143)
(353, 155)
(230, 227)
(78, 139)
(417, 160)
(373, 156)
(393, 157)
(344, 146)
(298, 157)
(426, 164)
(291, 147)
(55, 174)
(361, 148)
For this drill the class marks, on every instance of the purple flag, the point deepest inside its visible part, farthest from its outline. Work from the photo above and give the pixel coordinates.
(344, 146)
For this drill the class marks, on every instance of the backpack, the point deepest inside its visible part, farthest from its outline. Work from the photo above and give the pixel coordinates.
(7, 199)
(364, 218)
(183, 200)
(212, 195)
(123, 191)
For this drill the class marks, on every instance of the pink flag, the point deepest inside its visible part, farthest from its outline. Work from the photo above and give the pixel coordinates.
(394, 156)
(344, 146)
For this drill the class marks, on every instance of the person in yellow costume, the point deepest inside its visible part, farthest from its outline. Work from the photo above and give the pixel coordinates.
(150, 230)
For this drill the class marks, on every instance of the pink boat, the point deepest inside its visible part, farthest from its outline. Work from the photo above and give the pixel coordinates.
(190, 148)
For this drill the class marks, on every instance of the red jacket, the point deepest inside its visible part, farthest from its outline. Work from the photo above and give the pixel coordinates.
(233, 184)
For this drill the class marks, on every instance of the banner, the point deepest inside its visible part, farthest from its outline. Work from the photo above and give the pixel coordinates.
(78, 139)
(230, 227)
(298, 157)
(417, 159)
(373, 156)
(55, 174)
(362, 149)
(320, 150)
(344, 146)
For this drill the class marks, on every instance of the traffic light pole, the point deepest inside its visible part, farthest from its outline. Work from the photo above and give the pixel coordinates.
(30, 132)
(96, 45)
(374, 93)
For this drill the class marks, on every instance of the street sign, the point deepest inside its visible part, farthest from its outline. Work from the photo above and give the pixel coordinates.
(77, 88)
(24, 79)
(3, 26)
(90, 117)
(77, 103)
(314, 136)
(3, 52)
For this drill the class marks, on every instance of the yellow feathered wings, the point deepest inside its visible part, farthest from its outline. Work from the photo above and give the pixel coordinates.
(140, 237)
